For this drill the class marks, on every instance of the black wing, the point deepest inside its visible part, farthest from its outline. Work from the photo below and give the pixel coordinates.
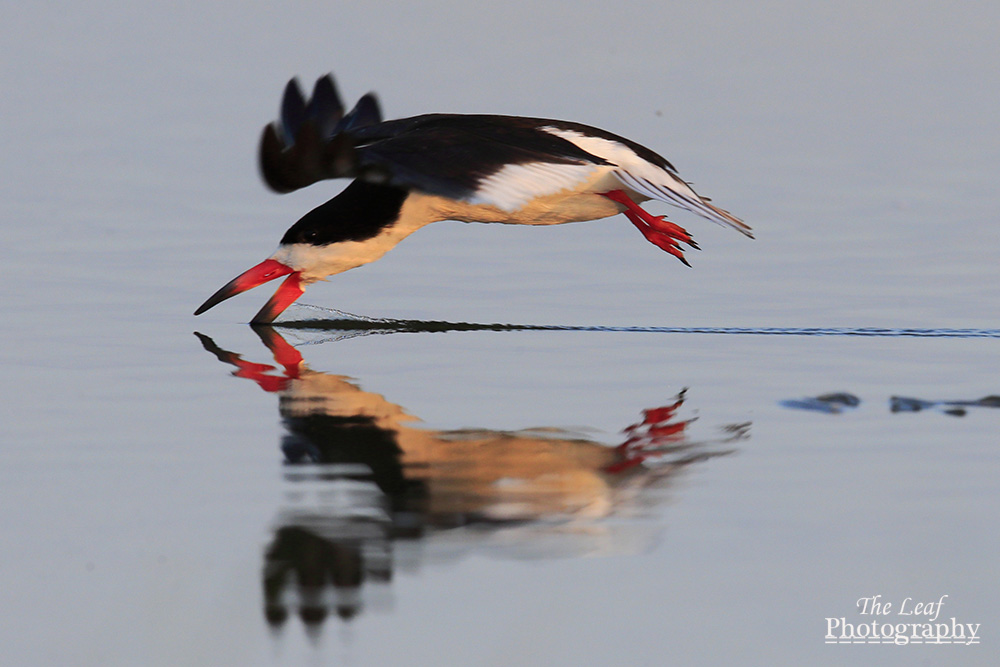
(311, 142)
(451, 154)
(442, 154)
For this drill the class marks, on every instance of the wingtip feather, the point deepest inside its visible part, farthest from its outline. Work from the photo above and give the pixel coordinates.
(365, 113)
(308, 143)
(293, 109)
(325, 107)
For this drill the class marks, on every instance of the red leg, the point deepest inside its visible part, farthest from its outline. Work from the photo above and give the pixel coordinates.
(655, 228)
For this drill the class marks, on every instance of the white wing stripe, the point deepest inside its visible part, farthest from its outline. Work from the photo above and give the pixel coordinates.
(515, 185)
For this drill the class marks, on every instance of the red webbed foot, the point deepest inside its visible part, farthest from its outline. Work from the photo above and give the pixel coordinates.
(655, 228)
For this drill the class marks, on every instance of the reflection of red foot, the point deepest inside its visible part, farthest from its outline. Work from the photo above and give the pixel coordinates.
(659, 415)
(651, 437)
(656, 228)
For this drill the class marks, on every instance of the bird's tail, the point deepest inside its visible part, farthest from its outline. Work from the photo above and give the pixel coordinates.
(672, 190)
(726, 218)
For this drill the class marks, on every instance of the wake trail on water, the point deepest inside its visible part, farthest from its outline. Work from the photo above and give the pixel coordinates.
(329, 319)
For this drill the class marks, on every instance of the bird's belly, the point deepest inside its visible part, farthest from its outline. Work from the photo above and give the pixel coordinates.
(553, 209)
(556, 210)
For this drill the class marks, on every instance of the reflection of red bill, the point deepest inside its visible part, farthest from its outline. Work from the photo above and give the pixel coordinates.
(286, 355)
(266, 271)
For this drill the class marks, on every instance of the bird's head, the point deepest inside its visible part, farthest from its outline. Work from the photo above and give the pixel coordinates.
(345, 232)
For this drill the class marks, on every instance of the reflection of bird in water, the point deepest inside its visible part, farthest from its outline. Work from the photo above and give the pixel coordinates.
(474, 168)
(362, 477)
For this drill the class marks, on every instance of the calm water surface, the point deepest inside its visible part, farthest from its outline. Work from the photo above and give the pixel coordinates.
(663, 483)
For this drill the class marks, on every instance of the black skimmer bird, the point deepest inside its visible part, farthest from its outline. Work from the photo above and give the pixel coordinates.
(473, 168)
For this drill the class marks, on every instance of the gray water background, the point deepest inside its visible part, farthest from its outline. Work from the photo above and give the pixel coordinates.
(140, 482)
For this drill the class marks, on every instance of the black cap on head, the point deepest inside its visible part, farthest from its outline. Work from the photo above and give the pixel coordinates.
(358, 213)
